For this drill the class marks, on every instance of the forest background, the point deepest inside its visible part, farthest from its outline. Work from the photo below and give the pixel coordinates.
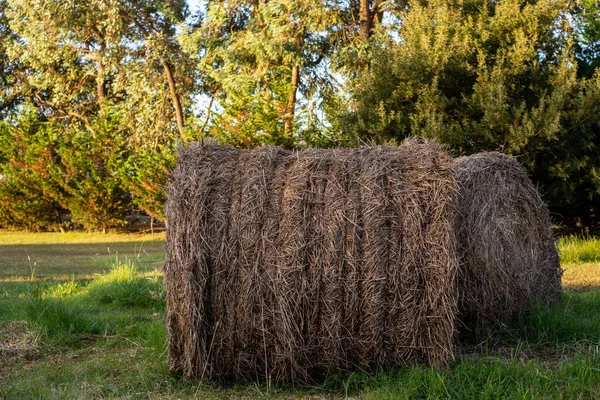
(96, 95)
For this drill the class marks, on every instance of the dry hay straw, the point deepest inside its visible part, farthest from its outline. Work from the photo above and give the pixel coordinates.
(507, 252)
(296, 265)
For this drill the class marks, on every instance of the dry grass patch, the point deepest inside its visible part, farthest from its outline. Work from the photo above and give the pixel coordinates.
(581, 276)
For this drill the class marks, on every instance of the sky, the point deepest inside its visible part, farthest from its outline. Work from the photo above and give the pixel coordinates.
(195, 4)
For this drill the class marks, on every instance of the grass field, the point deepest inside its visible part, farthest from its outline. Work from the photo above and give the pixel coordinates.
(82, 316)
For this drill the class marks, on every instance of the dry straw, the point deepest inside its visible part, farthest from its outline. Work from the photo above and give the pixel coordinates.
(293, 266)
(508, 257)
(297, 265)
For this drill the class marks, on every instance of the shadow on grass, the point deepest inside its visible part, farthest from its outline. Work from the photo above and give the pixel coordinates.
(575, 318)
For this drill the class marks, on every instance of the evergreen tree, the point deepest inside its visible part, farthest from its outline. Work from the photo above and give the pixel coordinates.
(22, 200)
(481, 75)
(115, 81)
(586, 18)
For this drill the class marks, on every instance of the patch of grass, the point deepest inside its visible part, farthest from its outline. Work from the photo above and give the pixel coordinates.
(75, 260)
(135, 373)
(60, 319)
(55, 238)
(123, 286)
(581, 276)
(576, 249)
(575, 319)
(61, 312)
(129, 361)
(60, 256)
(577, 377)
(63, 290)
(104, 336)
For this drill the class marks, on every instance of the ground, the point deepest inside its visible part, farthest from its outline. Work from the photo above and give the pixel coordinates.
(82, 316)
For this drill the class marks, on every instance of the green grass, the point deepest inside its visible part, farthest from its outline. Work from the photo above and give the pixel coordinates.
(99, 332)
(577, 249)
(122, 286)
(575, 320)
(490, 378)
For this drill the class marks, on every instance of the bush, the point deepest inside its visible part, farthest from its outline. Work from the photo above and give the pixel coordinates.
(145, 176)
(23, 204)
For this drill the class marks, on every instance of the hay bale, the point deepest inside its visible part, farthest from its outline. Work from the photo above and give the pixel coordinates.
(292, 266)
(507, 252)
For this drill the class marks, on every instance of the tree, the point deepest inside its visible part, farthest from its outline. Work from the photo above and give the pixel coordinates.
(262, 59)
(144, 175)
(22, 201)
(74, 169)
(9, 96)
(153, 23)
(482, 75)
(85, 63)
(586, 17)
(81, 169)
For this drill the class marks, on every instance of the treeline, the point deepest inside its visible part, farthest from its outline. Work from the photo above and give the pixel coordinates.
(95, 95)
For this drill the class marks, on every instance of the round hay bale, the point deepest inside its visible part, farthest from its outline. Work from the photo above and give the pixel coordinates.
(294, 266)
(202, 194)
(507, 253)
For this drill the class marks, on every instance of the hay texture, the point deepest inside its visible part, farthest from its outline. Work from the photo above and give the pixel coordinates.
(295, 265)
(508, 258)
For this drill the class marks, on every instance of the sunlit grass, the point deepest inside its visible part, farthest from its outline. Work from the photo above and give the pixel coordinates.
(80, 255)
(576, 249)
(123, 286)
(11, 238)
(585, 275)
(115, 302)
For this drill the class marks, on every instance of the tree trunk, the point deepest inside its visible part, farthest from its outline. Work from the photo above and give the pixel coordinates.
(100, 85)
(364, 14)
(212, 98)
(174, 96)
(291, 105)
(59, 220)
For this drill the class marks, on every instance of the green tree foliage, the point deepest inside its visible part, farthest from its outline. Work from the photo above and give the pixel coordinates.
(50, 168)
(81, 56)
(481, 75)
(9, 98)
(122, 82)
(145, 174)
(263, 64)
(22, 201)
(587, 36)
(82, 171)
(89, 66)
(568, 166)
